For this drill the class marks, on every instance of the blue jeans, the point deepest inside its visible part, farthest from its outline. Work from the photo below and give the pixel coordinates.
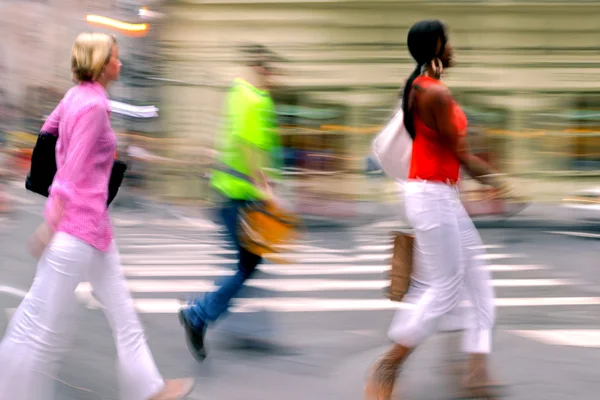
(210, 307)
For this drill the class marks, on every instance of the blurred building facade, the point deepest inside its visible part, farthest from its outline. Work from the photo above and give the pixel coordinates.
(35, 59)
(526, 70)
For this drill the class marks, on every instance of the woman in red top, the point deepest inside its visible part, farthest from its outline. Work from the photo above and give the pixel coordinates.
(448, 250)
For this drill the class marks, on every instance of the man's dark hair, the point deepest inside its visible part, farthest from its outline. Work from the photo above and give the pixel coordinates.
(256, 55)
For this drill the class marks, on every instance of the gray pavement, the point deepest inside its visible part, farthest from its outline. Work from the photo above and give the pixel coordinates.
(325, 311)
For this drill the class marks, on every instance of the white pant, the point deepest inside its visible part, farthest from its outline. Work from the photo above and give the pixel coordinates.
(448, 268)
(40, 332)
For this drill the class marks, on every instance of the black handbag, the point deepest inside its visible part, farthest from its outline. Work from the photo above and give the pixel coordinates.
(43, 168)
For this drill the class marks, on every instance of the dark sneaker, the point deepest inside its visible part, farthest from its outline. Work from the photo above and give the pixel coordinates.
(194, 337)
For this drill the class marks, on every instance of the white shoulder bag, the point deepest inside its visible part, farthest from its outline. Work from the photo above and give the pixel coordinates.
(392, 148)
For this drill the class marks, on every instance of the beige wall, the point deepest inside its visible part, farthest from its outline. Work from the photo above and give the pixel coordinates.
(515, 55)
(35, 49)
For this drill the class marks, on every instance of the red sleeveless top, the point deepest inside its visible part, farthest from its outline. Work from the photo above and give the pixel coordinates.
(432, 158)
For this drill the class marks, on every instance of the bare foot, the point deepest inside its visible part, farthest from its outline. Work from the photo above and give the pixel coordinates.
(382, 379)
(175, 389)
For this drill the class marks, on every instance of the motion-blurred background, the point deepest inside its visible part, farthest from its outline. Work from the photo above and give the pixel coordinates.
(528, 75)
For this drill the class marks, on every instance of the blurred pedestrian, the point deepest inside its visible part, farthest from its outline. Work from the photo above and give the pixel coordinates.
(448, 248)
(249, 144)
(76, 244)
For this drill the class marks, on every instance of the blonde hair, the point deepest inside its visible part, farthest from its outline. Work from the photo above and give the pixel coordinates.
(91, 52)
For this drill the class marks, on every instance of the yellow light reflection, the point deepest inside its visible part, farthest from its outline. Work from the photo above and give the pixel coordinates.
(113, 23)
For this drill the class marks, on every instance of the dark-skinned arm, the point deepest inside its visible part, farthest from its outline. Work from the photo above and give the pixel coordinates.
(443, 108)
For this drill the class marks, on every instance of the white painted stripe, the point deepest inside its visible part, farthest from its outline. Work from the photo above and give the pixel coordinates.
(322, 269)
(142, 234)
(489, 247)
(283, 304)
(373, 257)
(491, 256)
(286, 270)
(177, 255)
(172, 246)
(161, 271)
(386, 247)
(376, 247)
(310, 249)
(374, 239)
(195, 249)
(128, 242)
(148, 260)
(278, 285)
(320, 258)
(13, 291)
(315, 258)
(564, 337)
(324, 258)
(576, 234)
(169, 223)
(20, 199)
(389, 224)
(196, 222)
(125, 222)
(275, 269)
(295, 285)
(548, 301)
(513, 268)
(532, 282)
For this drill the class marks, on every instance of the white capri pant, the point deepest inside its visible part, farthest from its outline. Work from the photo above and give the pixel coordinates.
(40, 332)
(448, 268)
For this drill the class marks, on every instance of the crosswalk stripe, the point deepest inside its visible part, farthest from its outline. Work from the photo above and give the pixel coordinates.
(376, 247)
(298, 285)
(285, 304)
(173, 246)
(563, 337)
(311, 249)
(288, 269)
(493, 256)
(20, 199)
(575, 234)
(160, 268)
(203, 271)
(193, 255)
(489, 247)
(146, 260)
(513, 268)
(150, 258)
(387, 247)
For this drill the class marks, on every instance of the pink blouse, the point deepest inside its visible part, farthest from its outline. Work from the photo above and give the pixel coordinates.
(84, 156)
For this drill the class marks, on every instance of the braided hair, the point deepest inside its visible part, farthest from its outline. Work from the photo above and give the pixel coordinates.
(422, 41)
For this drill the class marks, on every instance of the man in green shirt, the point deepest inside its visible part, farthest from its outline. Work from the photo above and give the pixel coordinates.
(248, 144)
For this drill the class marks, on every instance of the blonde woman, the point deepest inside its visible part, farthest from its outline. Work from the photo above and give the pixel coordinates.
(76, 244)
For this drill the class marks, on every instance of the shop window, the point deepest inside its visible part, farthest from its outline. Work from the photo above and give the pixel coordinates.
(312, 135)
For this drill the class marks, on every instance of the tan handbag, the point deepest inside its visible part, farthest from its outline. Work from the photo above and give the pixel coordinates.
(402, 265)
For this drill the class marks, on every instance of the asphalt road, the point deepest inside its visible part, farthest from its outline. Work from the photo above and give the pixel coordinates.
(325, 310)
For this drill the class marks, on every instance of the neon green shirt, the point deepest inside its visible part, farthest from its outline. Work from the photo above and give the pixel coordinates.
(250, 119)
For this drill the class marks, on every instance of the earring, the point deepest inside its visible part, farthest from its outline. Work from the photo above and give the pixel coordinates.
(437, 67)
